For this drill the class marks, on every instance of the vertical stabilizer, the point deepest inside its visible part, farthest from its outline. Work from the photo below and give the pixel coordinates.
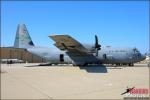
(23, 39)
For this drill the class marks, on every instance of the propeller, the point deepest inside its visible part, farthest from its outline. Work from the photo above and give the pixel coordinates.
(135, 50)
(97, 45)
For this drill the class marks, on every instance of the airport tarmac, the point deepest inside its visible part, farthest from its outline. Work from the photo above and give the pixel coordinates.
(69, 82)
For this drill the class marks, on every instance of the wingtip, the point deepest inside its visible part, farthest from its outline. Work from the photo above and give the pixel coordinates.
(51, 35)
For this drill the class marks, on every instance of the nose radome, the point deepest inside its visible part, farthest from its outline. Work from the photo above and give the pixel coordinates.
(143, 57)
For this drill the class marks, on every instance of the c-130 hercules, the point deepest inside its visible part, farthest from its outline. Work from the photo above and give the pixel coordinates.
(73, 52)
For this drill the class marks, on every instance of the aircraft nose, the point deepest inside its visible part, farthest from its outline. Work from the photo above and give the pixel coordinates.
(143, 57)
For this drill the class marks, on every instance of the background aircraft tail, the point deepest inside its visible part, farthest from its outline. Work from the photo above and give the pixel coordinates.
(23, 39)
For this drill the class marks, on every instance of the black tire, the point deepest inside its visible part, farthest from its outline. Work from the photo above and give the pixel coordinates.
(131, 64)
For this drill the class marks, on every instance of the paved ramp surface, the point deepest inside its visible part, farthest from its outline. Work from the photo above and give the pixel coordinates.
(68, 82)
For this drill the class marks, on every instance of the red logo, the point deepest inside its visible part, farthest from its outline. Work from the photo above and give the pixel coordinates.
(139, 91)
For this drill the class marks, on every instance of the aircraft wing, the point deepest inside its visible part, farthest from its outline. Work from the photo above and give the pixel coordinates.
(66, 42)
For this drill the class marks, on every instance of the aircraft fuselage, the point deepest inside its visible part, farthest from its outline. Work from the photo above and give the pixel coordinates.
(107, 55)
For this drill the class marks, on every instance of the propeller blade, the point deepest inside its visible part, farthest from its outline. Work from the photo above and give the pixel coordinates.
(97, 46)
(96, 41)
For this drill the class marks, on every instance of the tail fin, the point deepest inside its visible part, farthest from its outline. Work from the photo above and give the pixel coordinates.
(23, 39)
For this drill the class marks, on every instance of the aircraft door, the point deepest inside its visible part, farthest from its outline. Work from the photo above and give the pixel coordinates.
(61, 57)
(104, 56)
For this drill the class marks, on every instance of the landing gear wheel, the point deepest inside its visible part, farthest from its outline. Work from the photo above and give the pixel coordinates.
(85, 64)
(131, 64)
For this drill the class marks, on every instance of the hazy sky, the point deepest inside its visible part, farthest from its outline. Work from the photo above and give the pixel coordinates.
(124, 24)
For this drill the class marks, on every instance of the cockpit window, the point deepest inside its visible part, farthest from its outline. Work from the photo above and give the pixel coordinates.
(135, 50)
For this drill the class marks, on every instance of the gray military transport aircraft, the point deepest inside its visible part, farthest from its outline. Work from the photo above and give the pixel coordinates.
(70, 51)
